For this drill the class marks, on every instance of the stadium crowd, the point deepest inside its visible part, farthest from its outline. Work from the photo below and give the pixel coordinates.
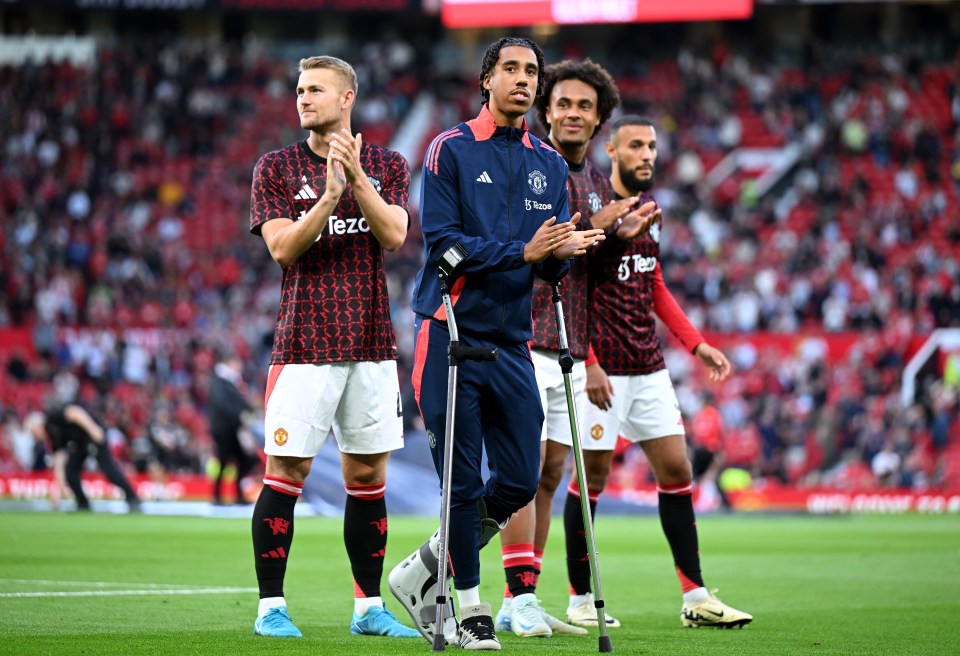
(125, 186)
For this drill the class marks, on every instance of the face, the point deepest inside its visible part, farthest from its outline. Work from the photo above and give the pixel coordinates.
(633, 150)
(513, 82)
(322, 97)
(572, 114)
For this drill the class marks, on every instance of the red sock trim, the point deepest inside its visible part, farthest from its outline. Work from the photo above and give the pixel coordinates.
(686, 585)
(683, 488)
(517, 555)
(574, 490)
(283, 485)
(369, 492)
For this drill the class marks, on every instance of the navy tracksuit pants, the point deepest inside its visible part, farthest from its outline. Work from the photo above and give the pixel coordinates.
(497, 409)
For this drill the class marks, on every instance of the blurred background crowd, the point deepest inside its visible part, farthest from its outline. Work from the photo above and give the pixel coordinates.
(810, 185)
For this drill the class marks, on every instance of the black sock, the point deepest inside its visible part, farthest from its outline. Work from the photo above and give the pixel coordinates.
(365, 537)
(578, 560)
(521, 580)
(272, 537)
(680, 527)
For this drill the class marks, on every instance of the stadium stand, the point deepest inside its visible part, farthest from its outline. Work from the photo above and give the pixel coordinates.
(125, 187)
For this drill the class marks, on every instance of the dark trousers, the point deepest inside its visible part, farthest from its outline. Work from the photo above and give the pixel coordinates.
(229, 449)
(498, 410)
(78, 453)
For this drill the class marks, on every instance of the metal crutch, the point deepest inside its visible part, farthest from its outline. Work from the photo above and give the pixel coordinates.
(455, 355)
(566, 365)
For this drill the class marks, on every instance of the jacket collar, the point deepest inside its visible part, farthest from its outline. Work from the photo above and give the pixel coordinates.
(483, 127)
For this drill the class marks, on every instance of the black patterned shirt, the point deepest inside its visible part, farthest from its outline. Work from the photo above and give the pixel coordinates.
(334, 305)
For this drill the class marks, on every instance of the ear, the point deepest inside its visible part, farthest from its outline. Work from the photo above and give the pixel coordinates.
(348, 98)
(611, 151)
(486, 82)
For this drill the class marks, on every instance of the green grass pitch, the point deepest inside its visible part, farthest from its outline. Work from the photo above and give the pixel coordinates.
(141, 584)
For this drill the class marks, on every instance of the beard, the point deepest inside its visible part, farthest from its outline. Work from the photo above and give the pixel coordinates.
(636, 185)
(315, 123)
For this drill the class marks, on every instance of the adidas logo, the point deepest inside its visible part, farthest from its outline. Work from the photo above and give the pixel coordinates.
(485, 177)
(279, 552)
(306, 193)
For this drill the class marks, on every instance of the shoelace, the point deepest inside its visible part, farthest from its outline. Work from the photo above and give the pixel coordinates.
(478, 628)
(529, 613)
(276, 616)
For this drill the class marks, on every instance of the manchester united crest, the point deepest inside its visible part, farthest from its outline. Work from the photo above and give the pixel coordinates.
(655, 231)
(537, 181)
(596, 431)
(595, 203)
(280, 436)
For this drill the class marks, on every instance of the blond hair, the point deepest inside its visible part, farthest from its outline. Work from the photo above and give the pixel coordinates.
(335, 64)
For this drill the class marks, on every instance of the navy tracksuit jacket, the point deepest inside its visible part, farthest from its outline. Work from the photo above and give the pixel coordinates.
(488, 188)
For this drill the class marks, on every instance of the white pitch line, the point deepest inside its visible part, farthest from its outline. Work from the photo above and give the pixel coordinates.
(96, 584)
(128, 593)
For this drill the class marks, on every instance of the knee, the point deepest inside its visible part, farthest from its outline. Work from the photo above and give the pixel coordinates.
(597, 474)
(550, 479)
(289, 468)
(678, 472)
(511, 498)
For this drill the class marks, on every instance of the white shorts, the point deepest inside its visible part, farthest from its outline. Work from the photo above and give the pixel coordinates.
(360, 401)
(553, 394)
(644, 408)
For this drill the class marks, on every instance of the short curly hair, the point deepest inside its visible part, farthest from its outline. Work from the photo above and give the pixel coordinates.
(588, 72)
(492, 55)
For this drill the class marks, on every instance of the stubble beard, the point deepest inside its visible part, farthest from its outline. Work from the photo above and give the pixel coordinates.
(572, 145)
(316, 124)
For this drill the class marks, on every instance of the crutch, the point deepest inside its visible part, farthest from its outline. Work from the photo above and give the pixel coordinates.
(455, 355)
(566, 365)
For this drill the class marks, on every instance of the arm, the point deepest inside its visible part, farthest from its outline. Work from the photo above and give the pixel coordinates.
(638, 221)
(666, 307)
(287, 239)
(388, 223)
(598, 387)
(77, 415)
(442, 224)
(571, 244)
(614, 210)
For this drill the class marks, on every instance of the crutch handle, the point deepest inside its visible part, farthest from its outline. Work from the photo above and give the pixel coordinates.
(475, 353)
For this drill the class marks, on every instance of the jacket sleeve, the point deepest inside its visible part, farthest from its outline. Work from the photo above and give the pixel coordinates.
(442, 224)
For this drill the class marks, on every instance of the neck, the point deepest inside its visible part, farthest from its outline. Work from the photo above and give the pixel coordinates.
(317, 139)
(573, 154)
(503, 118)
(620, 188)
(318, 144)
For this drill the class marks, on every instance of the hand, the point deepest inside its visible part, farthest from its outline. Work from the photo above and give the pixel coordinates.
(549, 237)
(579, 243)
(607, 216)
(714, 360)
(639, 221)
(336, 180)
(598, 387)
(345, 150)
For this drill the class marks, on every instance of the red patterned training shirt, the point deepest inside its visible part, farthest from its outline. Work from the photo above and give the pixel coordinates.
(333, 305)
(589, 191)
(622, 323)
